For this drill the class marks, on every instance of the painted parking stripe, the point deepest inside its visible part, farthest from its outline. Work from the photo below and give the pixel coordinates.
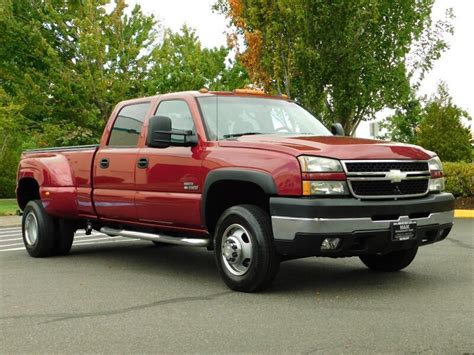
(12, 249)
(11, 245)
(11, 234)
(86, 243)
(9, 229)
(20, 238)
(10, 240)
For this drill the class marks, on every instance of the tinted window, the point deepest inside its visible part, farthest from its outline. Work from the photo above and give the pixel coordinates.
(179, 113)
(127, 126)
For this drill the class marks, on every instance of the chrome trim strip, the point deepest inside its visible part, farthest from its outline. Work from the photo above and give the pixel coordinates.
(343, 162)
(112, 232)
(380, 178)
(426, 172)
(285, 228)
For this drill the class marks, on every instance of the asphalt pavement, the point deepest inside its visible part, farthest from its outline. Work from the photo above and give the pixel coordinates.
(126, 296)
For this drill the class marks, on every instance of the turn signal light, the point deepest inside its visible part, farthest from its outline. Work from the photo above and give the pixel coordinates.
(248, 92)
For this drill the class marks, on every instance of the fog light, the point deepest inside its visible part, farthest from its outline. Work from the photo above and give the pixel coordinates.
(330, 243)
(436, 185)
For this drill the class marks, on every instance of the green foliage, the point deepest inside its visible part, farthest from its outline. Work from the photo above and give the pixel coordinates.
(459, 179)
(69, 63)
(441, 129)
(344, 60)
(11, 122)
(64, 65)
(72, 63)
(180, 63)
(402, 126)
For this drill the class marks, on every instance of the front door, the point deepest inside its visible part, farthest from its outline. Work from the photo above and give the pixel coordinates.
(169, 187)
(115, 164)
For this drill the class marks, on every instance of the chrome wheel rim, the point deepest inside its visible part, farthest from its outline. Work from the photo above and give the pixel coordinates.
(31, 229)
(236, 250)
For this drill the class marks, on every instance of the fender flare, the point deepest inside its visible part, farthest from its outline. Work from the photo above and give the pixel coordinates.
(262, 179)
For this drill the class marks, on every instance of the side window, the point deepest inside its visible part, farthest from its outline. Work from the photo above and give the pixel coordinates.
(179, 113)
(128, 124)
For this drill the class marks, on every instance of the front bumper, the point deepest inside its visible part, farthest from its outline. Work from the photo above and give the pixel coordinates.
(301, 224)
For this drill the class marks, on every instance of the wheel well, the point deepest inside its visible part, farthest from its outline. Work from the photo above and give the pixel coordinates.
(28, 189)
(225, 194)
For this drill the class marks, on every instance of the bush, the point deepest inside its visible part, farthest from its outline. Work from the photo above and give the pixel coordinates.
(441, 129)
(459, 179)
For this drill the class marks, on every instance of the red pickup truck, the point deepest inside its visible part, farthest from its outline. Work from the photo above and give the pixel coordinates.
(255, 178)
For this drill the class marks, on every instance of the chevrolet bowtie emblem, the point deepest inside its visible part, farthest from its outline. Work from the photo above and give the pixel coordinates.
(395, 176)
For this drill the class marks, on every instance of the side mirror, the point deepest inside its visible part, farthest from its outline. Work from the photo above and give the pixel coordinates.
(161, 134)
(337, 129)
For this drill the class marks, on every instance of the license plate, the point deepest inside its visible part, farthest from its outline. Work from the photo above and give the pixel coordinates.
(403, 230)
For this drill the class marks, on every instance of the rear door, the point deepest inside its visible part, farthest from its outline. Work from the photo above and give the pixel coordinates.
(169, 187)
(115, 164)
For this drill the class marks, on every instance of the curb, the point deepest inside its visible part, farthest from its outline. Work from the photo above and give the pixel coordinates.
(463, 213)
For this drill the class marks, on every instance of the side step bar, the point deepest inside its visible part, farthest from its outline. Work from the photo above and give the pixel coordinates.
(112, 232)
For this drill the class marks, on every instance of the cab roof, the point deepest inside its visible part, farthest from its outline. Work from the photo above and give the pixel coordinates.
(205, 93)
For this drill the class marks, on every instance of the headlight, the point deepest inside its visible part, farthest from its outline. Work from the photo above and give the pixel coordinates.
(437, 179)
(435, 164)
(311, 164)
(325, 188)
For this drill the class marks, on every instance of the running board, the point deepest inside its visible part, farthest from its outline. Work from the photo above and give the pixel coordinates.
(112, 232)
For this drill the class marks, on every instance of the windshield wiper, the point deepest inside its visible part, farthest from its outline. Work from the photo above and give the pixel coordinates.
(233, 135)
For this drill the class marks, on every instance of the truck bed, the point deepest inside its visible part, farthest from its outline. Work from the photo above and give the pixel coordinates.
(67, 175)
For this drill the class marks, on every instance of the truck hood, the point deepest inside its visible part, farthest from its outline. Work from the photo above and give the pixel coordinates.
(331, 147)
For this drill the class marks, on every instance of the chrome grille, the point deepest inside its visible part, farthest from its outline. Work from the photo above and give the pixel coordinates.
(383, 179)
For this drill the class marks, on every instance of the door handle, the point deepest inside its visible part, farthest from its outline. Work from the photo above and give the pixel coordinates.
(142, 163)
(104, 163)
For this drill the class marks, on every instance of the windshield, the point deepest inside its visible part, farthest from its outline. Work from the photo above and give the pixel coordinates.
(227, 117)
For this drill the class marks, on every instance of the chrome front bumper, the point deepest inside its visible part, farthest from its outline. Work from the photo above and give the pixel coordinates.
(300, 225)
(286, 228)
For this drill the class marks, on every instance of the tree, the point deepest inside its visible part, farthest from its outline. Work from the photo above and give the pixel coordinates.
(403, 125)
(11, 142)
(344, 60)
(181, 63)
(64, 65)
(441, 129)
(68, 63)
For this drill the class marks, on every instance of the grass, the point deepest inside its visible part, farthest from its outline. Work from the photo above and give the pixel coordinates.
(8, 207)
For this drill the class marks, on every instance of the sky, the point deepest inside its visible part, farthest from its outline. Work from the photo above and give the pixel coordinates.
(455, 67)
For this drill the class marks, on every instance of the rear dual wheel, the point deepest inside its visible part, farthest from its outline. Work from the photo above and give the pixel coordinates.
(44, 235)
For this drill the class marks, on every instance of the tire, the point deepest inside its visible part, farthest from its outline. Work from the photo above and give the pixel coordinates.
(394, 261)
(244, 250)
(64, 236)
(38, 229)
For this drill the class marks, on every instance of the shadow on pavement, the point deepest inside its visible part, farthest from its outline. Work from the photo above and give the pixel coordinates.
(196, 265)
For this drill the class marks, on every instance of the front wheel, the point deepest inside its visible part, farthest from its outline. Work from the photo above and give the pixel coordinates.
(244, 251)
(394, 261)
